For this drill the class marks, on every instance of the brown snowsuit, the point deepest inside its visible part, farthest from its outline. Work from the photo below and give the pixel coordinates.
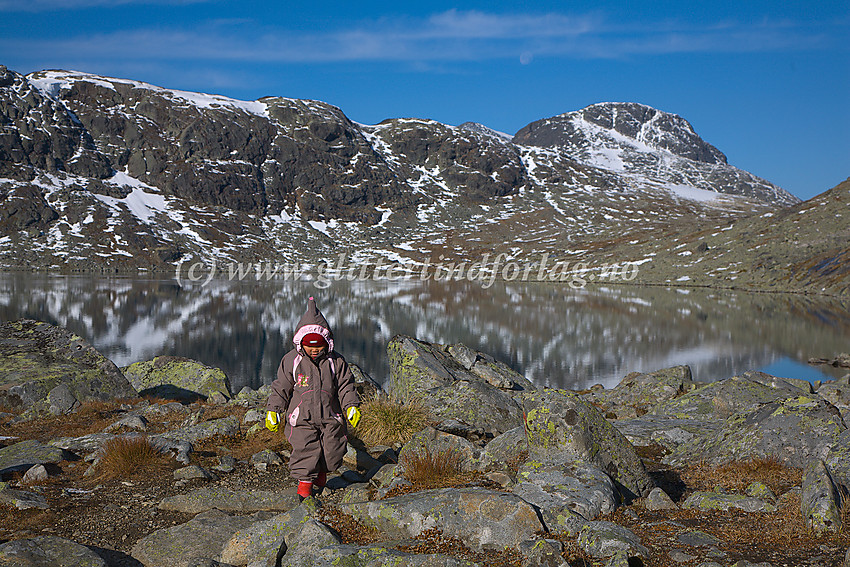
(312, 398)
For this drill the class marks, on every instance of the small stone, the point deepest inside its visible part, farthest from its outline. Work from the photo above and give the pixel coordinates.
(697, 538)
(501, 478)
(192, 472)
(266, 457)
(680, 556)
(134, 422)
(217, 398)
(761, 490)
(35, 474)
(659, 500)
(252, 416)
(226, 464)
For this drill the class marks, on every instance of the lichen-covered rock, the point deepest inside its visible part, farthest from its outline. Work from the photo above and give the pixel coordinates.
(48, 551)
(721, 501)
(178, 373)
(229, 500)
(838, 459)
(637, 393)
(481, 518)
(370, 556)
(657, 499)
(24, 454)
(719, 400)
(567, 494)
(476, 403)
(36, 358)
(417, 367)
(508, 449)
(206, 535)
(433, 441)
(604, 539)
(820, 503)
(667, 432)
(795, 430)
(264, 539)
(562, 427)
(366, 387)
(225, 426)
(21, 499)
(542, 553)
(836, 392)
(304, 543)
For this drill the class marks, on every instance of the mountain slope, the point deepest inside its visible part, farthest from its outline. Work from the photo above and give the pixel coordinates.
(101, 173)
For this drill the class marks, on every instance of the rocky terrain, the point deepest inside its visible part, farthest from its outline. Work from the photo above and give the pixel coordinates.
(99, 173)
(659, 470)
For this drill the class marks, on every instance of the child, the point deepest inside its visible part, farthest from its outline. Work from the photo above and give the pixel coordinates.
(312, 389)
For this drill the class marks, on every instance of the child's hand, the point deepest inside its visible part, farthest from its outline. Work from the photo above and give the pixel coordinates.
(272, 420)
(353, 416)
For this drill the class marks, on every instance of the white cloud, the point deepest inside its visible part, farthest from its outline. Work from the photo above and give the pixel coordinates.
(448, 36)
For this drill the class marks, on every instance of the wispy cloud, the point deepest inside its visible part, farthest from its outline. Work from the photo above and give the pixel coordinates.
(448, 36)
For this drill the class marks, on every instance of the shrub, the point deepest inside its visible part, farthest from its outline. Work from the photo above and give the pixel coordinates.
(128, 456)
(440, 469)
(386, 422)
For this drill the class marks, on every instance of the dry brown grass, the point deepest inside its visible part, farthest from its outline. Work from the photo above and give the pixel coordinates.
(243, 446)
(90, 417)
(124, 457)
(440, 469)
(386, 422)
(738, 475)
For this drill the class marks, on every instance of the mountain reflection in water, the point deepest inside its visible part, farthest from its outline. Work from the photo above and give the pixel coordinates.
(554, 335)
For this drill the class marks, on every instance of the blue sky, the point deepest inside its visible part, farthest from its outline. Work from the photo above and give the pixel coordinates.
(766, 82)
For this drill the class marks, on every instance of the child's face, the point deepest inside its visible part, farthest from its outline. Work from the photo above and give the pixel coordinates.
(313, 351)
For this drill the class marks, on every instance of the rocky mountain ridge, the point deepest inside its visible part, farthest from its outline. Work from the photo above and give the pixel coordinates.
(101, 173)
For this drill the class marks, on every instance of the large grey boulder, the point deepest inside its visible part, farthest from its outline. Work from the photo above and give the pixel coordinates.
(225, 426)
(416, 367)
(707, 501)
(604, 539)
(266, 539)
(508, 449)
(795, 430)
(37, 359)
(836, 392)
(481, 518)
(178, 377)
(25, 454)
(229, 500)
(838, 459)
(562, 427)
(206, 535)
(449, 391)
(567, 494)
(48, 551)
(637, 393)
(492, 371)
(720, 400)
(820, 502)
(667, 432)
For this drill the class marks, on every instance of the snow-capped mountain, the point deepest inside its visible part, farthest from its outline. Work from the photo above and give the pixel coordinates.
(98, 172)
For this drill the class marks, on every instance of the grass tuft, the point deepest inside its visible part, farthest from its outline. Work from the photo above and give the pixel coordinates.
(129, 456)
(738, 475)
(386, 422)
(440, 469)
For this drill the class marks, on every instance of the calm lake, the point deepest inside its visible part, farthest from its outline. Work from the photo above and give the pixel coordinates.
(555, 335)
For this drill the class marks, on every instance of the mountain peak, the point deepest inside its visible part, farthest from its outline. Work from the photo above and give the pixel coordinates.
(642, 127)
